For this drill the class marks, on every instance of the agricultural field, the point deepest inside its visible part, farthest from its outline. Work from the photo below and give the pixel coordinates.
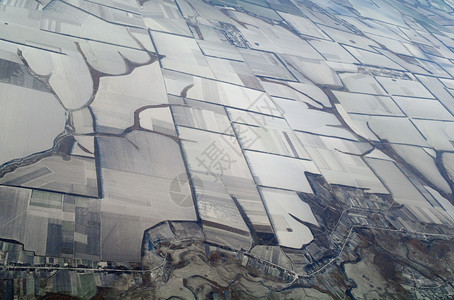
(226, 149)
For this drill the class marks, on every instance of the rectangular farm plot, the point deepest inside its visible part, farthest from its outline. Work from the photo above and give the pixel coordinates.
(373, 59)
(44, 120)
(423, 108)
(215, 154)
(266, 64)
(229, 95)
(181, 54)
(401, 188)
(333, 51)
(304, 26)
(120, 97)
(401, 87)
(266, 134)
(287, 211)
(236, 72)
(202, 115)
(439, 135)
(164, 16)
(139, 175)
(281, 172)
(368, 104)
(76, 175)
(318, 71)
(301, 117)
(221, 219)
(360, 83)
(220, 50)
(13, 207)
(337, 166)
(218, 158)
